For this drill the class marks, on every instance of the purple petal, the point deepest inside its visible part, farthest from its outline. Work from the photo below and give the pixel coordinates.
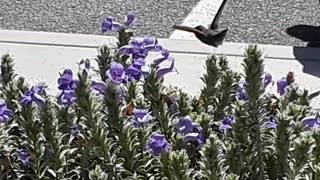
(116, 73)
(134, 72)
(141, 116)
(26, 99)
(130, 20)
(67, 73)
(167, 147)
(157, 150)
(225, 128)
(267, 79)
(158, 144)
(150, 43)
(162, 57)
(38, 89)
(3, 106)
(23, 155)
(242, 83)
(281, 84)
(157, 136)
(139, 62)
(127, 50)
(67, 97)
(185, 125)
(311, 121)
(109, 25)
(139, 113)
(193, 137)
(39, 99)
(161, 72)
(99, 86)
(271, 125)
(146, 118)
(116, 26)
(136, 43)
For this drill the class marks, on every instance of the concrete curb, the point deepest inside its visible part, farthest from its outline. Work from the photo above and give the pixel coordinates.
(52, 52)
(173, 45)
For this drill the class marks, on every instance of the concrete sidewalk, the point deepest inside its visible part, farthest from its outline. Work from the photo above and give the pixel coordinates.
(40, 55)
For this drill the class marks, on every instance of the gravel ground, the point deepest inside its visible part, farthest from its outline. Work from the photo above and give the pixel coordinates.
(85, 16)
(265, 21)
(250, 21)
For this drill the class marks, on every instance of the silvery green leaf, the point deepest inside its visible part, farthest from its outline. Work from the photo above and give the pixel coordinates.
(52, 172)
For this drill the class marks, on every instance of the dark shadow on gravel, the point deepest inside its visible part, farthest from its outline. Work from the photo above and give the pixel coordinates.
(306, 33)
(308, 56)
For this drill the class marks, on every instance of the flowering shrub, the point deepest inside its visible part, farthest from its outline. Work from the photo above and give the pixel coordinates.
(118, 121)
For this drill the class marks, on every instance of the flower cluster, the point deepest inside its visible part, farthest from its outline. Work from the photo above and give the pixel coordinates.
(138, 49)
(5, 113)
(35, 94)
(67, 84)
(110, 25)
(267, 81)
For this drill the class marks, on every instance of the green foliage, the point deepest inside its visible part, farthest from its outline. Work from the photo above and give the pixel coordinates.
(212, 163)
(102, 136)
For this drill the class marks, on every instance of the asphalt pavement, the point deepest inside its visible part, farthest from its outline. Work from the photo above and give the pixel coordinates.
(250, 21)
(155, 17)
(265, 21)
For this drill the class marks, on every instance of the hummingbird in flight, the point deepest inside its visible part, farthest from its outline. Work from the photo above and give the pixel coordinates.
(213, 36)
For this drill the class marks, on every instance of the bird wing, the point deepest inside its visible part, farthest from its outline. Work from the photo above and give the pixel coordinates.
(188, 29)
(215, 21)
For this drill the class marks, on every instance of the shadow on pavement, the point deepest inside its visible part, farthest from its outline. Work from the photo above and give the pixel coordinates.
(306, 33)
(308, 56)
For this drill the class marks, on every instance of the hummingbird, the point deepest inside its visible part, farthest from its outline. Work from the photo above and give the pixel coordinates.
(213, 36)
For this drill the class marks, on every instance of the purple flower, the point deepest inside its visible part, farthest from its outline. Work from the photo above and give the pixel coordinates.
(98, 86)
(67, 97)
(141, 117)
(226, 124)
(130, 20)
(158, 144)
(139, 48)
(5, 113)
(165, 70)
(267, 79)
(281, 85)
(225, 128)
(24, 157)
(151, 44)
(116, 73)
(240, 91)
(138, 63)
(229, 120)
(190, 130)
(162, 57)
(185, 125)
(109, 25)
(197, 136)
(66, 82)
(34, 95)
(133, 73)
(311, 122)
